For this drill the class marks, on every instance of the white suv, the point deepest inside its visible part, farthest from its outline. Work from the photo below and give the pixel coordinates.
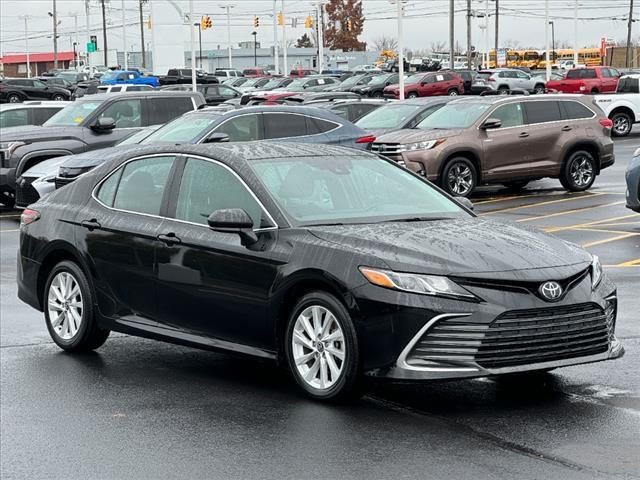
(505, 79)
(622, 107)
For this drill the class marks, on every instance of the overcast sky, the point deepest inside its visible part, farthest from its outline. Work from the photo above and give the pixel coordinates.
(426, 21)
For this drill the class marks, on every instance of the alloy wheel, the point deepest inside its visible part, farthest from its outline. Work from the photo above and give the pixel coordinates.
(64, 302)
(318, 347)
(581, 171)
(14, 99)
(453, 93)
(460, 179)
(621, 124)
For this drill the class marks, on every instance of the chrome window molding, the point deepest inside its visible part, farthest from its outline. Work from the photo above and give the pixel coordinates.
(187, 156)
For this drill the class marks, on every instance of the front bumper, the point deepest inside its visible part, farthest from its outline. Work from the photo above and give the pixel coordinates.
(7, 179)
(417, 338)
(633, 185)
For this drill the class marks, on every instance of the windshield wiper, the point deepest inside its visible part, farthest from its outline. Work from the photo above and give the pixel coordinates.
(416, 219)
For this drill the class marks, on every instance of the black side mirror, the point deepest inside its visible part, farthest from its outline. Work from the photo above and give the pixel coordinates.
(104, 124)
(233, 220)
(217, 138)
(491, 123)
(465, 202)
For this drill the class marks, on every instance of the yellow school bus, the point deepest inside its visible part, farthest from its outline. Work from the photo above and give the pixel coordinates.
(589, 56)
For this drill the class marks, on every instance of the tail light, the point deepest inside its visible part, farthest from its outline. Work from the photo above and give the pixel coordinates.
(606, 123)
(366, 139)
(491, 79)
(28, 216)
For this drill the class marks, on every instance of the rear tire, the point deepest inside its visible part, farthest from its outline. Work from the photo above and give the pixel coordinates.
(594, 90)
(453, 92)
(503, 90)
(324, 358)
(412, 95)
(459, 177)
(622, 124)
(8, 199)
(579, 171)
(538, 89)
(14, 98)
(58, 98)
(68, 309)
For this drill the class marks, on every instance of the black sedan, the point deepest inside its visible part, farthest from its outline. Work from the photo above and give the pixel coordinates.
(376, 86)
(335, 262)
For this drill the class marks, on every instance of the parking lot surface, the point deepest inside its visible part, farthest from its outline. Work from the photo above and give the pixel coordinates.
(143, 409)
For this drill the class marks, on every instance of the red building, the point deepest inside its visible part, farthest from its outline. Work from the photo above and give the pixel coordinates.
(15, 64)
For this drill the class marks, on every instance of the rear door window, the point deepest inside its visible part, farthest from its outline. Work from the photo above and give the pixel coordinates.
(576, 110)
(542, 111)
(284, 125)
(628, 85)
(14, 118)
(316, 126)
(242, 128)
(141, 186)
(163, 109)
(115, 88)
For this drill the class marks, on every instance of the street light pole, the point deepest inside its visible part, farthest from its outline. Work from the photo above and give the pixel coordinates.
(400, 51)
(255, 48)
(469, 34)
(630, 23)
(144, 57)
(276, 56)
(26, 41)
(553, 41)
(55, 35)
(193, 47)
(228, 8)
(285, 66)
(451, 34)
(124, 39)
(546, 40)
(197, 24)
(104, 34)
(575, 34)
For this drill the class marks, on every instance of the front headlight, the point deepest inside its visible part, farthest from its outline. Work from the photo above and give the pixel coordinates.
(428, 145)
(417, 283)
(10, 147)
(73, 171)
(596, 272)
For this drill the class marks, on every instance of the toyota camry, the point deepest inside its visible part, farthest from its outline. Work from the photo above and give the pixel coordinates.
(337, 263)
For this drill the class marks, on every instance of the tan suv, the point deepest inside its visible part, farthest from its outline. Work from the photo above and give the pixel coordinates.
(506, 140)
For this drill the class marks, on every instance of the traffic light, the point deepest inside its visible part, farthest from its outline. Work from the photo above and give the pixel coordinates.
(280, 19)
(308, 22)
(205, 22)
(349, 25)
(256, 22)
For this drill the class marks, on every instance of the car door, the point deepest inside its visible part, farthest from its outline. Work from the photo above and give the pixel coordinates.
(209, 284)
(524, 81)
(241, 128)
(546, 129)
(426, 86)
(29, 89)
(127, 113)
(287, 125)
(118, 228)
(506, 149)
(609, 80)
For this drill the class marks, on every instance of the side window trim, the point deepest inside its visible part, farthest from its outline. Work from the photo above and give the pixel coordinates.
(119, 171)
(337, 125)
(260, 126)
(174, 190)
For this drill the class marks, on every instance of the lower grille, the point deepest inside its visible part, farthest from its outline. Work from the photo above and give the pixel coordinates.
(518, 337)
(25, 193)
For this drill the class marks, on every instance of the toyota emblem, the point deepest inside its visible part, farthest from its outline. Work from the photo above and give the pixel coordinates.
(551, 291)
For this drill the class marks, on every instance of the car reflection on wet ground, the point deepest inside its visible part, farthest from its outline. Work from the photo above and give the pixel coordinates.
(143, 409)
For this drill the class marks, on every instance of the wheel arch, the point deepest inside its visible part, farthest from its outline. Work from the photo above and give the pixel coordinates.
(589, 146)
(33, 158)
(58, 251)
(296, 286)
(470, 155)
(624, 109)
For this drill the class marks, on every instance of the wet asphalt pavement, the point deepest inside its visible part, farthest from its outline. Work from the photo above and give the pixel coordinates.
(142, 409)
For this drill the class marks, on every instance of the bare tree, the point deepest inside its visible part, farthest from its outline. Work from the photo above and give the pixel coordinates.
(438, 46)
(384, 42)
(511, 44)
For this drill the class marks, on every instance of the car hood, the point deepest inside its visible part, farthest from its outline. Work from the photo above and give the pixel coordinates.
(92, 158)
(466, 246)
(30, 132)
(45, 168)
(413, 135)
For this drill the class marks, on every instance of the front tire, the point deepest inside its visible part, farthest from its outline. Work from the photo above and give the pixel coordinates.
(453, 92)
(58, 98)
(412, 95)
(459, 177)
(579, 171)
(14, 98)
(622, 123)
(322, 348)
(68, 309)
(538, 89)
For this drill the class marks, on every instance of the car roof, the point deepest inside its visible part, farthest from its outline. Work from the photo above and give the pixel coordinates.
(299, 109)
(631, 75)
(426, 100)
(149, 93)
(33, 104)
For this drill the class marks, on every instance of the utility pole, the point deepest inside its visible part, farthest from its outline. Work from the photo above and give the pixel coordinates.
(575, 34)
(144, 57)
(199, 25)
(496, 31)
(276, 59)
(124, 39)
(320, 26)
(55, 35)
(469, 34)
(104, 34)
(451, 34)
(553, 41)
(255, 47)
(26, 42)
(400, 51)
(75, 38)
(285, 67)
(193, 47)
(546, 39)
(629, 24)
(228, 8)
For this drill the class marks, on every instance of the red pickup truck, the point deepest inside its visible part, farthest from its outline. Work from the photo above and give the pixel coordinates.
(587, 80)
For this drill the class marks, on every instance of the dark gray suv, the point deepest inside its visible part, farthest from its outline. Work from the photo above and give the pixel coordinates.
(97, 121)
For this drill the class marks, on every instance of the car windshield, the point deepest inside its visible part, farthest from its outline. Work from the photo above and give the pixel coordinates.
(415, 78)
(108, 76)
(389, 116)
(185, 129)
(251, 82)
(379, 79)
(351, 80)
(74, 114)
(350, 189)
(136, 137)
(272, 83)
(454, 115)
(298, 82)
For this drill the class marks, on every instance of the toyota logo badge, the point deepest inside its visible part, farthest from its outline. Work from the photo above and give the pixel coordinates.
(551, 291)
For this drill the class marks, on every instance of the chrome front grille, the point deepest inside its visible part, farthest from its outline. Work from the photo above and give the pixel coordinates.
(518, 337)
(386, 148)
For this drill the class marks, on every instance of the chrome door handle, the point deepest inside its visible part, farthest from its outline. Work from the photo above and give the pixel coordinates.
(566, 128)
(169, 239)
(523, 135)
(91, 225)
